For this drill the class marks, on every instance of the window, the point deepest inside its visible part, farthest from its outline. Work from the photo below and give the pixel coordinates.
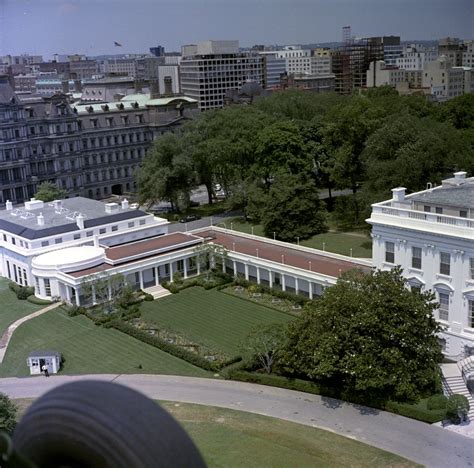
(44, 243)
(445, 263)
(142, 222)
(439, 210)
(47, 287)
(443, 306)
(470, 317)
(89, 233)
(114, 228)
(389, 252)
(58, 240)
(77, 236)
(426, 208)
(471, 268)
(102, 231)
(416, 257)
(130, 225)
(463, 213)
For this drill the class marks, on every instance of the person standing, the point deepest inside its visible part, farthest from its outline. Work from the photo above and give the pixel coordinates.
(45, 370)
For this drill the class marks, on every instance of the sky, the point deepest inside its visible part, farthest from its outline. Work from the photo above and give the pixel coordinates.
(90, 27)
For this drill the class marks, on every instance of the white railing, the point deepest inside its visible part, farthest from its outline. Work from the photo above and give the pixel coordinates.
(422, 216)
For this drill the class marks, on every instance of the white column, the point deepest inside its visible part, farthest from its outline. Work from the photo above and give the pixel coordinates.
(270, 278)
(296, 286)
(157, 278)
(258, 275)
(234, 263)
(223, 264)
(185, 268)
(283, 285)
(198, 265)
(140, 275)
(246, 271)
(94, 298)
(77, 297)
(310, 289)
(171, 272)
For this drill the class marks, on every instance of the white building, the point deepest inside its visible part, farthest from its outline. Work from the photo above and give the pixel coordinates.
(379, 74)
(415, 57)
(430, 234)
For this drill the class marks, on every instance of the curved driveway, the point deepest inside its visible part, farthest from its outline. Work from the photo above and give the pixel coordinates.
(423, 443)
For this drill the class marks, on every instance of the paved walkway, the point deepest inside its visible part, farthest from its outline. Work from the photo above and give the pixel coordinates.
(7, 335)
(422, 443)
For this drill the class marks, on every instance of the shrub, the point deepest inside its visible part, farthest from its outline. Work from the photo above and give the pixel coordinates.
(417, 411)
(22, 292)
(36, 300)
(73, 310)
(436, 402)
(8, 412)
(148, 297)
(457, 408)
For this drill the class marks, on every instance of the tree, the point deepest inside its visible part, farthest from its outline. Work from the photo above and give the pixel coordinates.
(8, 411)
(264, 344)
(457, 408)
(291, 208)
(47, 191)
(206, 256)
(106, 290)
(369, 337)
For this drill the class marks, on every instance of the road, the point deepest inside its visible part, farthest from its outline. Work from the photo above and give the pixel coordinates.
(417, 441)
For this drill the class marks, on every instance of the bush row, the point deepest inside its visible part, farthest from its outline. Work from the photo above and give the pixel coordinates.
(159, 343)
(264, 289)
(414, 411)
(217, 279)
(36, 300)
(22, 292)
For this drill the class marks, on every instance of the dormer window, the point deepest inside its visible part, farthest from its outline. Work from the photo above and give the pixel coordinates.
(94, 123)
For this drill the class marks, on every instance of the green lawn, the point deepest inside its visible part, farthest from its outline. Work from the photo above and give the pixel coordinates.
(234, 438)
(336, 242)
(88, 348)
(210, 318)
(12, 308)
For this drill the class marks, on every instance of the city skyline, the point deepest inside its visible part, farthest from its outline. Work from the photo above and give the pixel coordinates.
(88, 27)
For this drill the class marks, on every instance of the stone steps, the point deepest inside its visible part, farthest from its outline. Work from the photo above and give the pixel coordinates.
(157, 291)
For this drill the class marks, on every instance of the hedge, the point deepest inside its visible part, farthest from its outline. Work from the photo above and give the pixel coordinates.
(417, 411)
(169, 348)
(22, 292)
(36, 300)
(218, 279)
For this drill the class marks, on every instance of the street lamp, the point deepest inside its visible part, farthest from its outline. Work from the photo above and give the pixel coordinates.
(231, 224)
(252, 232)
(282, 259)
(324, 246)
(233, 246)
(186, 227)
(298, 240)
(351, 252)
(274, 235)
(257, 253)
(309, 265)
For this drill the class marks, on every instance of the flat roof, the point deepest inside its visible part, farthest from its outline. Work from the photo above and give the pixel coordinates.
(461, 196)
(40, 354)
(23, 222)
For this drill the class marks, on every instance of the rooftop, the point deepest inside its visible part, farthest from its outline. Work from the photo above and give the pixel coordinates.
(60, 217)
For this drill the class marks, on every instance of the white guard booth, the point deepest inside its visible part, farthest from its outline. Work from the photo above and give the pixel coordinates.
(37, 359)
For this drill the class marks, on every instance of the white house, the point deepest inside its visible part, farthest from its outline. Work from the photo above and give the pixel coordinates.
(430, 234)
(37, 359)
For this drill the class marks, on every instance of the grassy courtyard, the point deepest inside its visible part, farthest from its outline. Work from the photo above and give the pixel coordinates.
(238, 439)
(210, 318)
(87, 348)
(333, 241)
(11, 308)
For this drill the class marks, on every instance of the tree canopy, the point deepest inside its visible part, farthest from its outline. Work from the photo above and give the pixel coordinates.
(369, 336)
(47, 191)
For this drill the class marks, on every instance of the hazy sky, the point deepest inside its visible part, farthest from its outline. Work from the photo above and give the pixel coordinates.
(90, 26)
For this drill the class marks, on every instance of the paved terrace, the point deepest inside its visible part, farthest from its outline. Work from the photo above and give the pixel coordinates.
(282, 252)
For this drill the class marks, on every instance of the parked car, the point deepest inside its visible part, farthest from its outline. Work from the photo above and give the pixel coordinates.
(189, 218)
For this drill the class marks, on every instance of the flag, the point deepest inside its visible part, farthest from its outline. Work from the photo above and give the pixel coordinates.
(117, 44)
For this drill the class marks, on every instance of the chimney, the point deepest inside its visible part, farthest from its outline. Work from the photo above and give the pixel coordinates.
(78, 86)
(125, 204)
(459, 177)
(80, 221)
(111, 207)
(57, 205)
(40, 219)
(398, 194)
(9, 205)
(168, 85)
(154, 89)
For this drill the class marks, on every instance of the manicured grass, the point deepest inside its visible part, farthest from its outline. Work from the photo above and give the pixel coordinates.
(11, 308)
(88, 348)
(210, 318)
(335, 242)
(238, 439)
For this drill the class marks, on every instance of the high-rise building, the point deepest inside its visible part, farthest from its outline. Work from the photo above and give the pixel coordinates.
(274, 70)
(452, 48)
(208, 69)
(158, 51)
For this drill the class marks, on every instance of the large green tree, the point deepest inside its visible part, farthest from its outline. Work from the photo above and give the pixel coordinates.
(8, 411)
(291, 208)
(369, 337)
(47, 191)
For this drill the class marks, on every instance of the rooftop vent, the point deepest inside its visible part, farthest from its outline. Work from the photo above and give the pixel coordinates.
(124, 204)
(112, 207)
(398, 194)
(9, 205)
(40, 219)
(80, 221)
(459, 177)
(34, 204)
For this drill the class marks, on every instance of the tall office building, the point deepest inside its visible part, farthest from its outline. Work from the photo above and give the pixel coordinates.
(209, 69)
(158, 51)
